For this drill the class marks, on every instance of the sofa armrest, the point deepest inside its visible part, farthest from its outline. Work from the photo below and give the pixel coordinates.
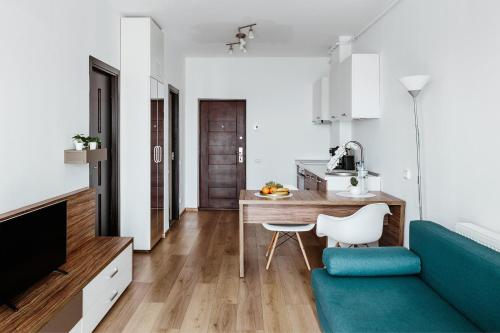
(381, 261)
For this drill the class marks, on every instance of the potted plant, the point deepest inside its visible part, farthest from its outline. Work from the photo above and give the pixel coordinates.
(93, 142)
(354, 188)
(79, 141)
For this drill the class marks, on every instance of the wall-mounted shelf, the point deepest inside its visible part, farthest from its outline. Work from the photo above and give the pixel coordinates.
(72, 156)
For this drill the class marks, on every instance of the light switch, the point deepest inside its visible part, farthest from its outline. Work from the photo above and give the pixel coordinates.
(407, 174)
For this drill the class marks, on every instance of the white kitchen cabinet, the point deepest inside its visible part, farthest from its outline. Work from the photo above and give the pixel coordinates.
(355, 88)
(321, 101)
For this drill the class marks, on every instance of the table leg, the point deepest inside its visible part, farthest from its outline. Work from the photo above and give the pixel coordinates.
(242, 243)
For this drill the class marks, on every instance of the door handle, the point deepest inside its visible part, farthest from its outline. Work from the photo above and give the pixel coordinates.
(160, 154)
(240, 154)
(155, 158)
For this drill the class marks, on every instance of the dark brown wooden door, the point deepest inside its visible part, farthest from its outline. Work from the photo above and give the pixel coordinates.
(222, 153)
(173, 158)
(101, 172)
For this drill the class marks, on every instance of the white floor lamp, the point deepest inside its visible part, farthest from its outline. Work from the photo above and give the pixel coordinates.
(414, 85)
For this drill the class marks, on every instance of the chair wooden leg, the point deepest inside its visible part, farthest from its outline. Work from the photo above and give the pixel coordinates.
(272, 250)
(270, 244)
(303, 251)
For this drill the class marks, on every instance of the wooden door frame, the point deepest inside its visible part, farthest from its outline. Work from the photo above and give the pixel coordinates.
(175, 91)
(200, 100)
(96, 64)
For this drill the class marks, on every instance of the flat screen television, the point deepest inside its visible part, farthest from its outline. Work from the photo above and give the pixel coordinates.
(32, 245)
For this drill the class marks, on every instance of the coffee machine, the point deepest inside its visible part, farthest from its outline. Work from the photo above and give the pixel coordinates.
(346, 162)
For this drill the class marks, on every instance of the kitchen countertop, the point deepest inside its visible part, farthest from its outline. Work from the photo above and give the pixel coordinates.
(318, 168)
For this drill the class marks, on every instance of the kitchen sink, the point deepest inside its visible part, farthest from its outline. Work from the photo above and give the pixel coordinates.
(342, 173)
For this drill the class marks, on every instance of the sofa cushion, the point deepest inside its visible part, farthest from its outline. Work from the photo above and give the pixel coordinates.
(376, 261)
(383, 304)
(462, 271)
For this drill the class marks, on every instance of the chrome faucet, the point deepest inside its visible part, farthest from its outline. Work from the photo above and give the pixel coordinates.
(360, 146)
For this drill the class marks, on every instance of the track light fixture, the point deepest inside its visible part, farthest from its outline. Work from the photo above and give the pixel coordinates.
(230, 50)
(251, 35)
(241, 36)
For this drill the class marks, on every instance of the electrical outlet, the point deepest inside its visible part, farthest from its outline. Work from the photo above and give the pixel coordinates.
(407, 174)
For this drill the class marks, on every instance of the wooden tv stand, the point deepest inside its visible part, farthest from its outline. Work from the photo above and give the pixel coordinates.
(99, 270)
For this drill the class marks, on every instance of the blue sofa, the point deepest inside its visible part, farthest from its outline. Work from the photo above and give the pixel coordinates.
(444, 283)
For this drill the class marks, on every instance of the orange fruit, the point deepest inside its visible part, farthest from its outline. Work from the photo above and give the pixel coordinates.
(265, 190)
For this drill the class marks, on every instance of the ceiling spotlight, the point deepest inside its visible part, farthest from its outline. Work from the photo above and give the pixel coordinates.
(231, 48)
(243, 49)
(251, 35)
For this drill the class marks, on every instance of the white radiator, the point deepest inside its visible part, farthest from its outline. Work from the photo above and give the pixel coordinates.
(479, 234)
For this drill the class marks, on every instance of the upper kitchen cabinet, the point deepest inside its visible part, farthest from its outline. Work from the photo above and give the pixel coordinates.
(355, 88)
(321, 101)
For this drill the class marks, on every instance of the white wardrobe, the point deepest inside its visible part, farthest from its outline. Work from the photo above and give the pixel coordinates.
(143, 213)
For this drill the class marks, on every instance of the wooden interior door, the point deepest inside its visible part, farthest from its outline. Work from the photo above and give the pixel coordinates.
(104, 124)
(222, 153)
(173, 156)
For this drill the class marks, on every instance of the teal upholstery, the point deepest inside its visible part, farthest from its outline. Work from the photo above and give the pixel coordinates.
(380, 261)
(462, 271)
(458, 289)
(385, 304)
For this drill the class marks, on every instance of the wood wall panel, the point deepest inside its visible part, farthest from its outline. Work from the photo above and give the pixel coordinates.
(81, 219)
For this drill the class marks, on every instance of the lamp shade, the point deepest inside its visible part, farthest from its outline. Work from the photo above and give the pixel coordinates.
(414, 82)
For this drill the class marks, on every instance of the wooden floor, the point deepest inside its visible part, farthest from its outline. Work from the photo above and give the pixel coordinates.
(190, 282)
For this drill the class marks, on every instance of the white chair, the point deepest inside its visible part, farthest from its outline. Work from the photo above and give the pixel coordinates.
(363, 227)
(288, 231)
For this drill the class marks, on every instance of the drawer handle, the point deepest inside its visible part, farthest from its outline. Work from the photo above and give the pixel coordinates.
(115, 293)
(115, 271)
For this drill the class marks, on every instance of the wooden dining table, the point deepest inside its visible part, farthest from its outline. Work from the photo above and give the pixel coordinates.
(303, 207)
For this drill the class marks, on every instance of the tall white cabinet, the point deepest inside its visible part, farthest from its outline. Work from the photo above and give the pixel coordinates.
(142, 77)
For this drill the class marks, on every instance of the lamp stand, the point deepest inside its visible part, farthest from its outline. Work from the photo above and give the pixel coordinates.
(414, 94)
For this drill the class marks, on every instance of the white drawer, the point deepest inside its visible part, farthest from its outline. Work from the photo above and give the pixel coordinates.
(121, 265)
(105, 289)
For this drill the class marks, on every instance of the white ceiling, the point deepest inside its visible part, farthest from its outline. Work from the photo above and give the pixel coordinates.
(285, 27)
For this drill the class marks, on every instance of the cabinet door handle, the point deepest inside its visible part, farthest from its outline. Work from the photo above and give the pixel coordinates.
(160, 154)
(113, 273)
(113, 296)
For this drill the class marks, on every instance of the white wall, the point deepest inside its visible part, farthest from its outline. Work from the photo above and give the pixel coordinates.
(278, 92)
(456, 42)
(44, 91)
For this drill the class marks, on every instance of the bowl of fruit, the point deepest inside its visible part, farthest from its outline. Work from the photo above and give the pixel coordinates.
(274, 190)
